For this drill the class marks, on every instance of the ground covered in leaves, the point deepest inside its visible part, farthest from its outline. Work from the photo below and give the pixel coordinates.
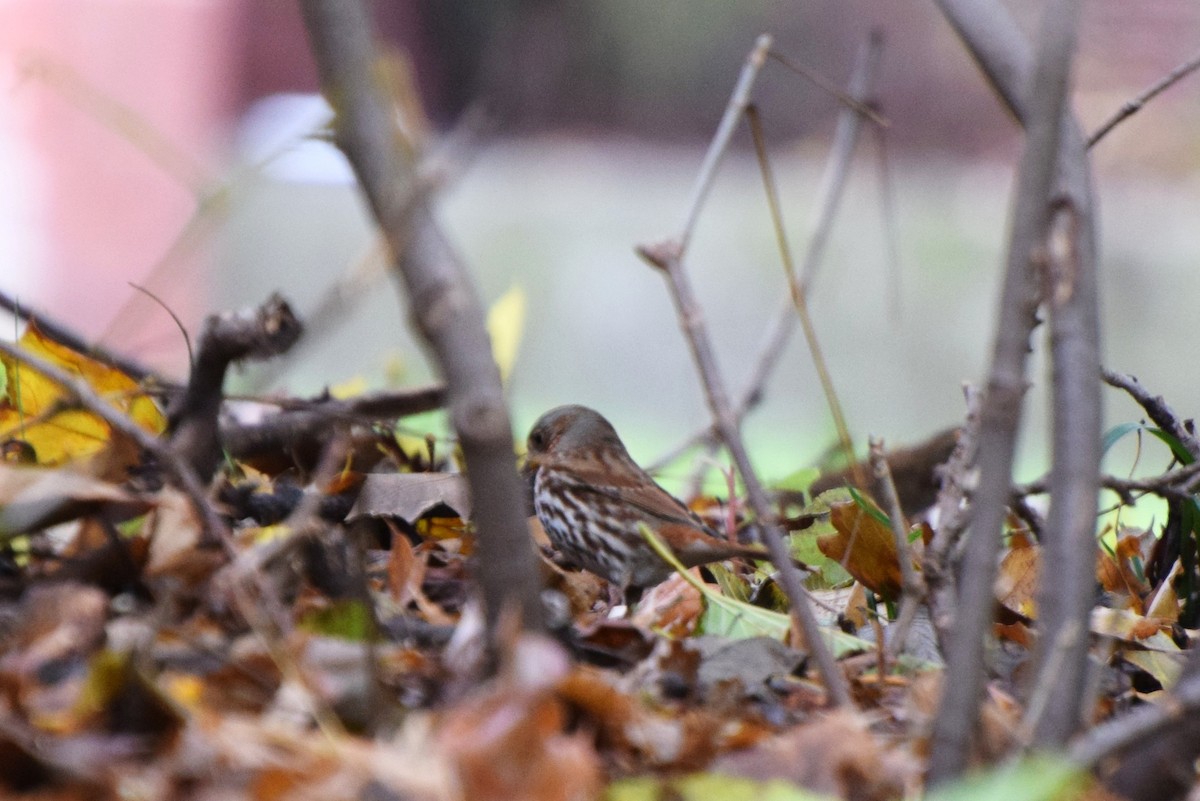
(307, 628)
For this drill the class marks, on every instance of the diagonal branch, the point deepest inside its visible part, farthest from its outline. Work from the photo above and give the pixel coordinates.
(442, 301)
(829, 195)
(212, 528)
(668, 257)
(1131, 107)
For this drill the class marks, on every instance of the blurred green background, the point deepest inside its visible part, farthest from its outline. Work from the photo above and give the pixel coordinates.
(594, 121)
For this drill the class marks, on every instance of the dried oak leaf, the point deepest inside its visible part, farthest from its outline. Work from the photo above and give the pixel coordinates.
(509, 742)
(32, 498)
(865, 546)
(409, 496)
(836, 755)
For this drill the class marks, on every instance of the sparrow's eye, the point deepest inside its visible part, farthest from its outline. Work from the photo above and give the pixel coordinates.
(537, 440)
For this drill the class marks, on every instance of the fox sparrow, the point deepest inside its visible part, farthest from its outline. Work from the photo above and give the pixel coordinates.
(592, 499)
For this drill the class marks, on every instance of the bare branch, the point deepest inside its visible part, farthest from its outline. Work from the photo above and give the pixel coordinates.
(1157, 410)
(65, 336)
(443, 302)
(692, 322)
(1003, 53)
(257, 333)
(951, 516)
(300, 422)
(720, 143)
(833, 182)
(669, 258)
(1135, 105)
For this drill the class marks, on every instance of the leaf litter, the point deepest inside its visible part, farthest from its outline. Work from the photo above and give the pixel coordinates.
(332, 649)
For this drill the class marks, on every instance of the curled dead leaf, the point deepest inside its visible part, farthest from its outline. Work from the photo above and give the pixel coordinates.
(865, 546)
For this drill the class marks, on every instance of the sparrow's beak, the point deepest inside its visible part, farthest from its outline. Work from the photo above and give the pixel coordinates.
(532, 463)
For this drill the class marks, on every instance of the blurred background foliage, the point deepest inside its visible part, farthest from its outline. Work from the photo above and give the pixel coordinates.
(584, 126)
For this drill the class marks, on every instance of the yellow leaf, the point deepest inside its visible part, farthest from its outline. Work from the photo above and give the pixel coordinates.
(442, 528)
(505, 323)
(27, 409)
(351, 388)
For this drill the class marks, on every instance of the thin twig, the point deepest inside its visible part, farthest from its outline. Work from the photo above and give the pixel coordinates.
(829, 198)
(833, 182)
(847, 99)
(1158, 410)
(692, 322)
(669, 259)
(1135, 105)
(800, 297)
(159, 148)
(720, 143)
(65, 336)
(912, 585)
(183, 332)
(443, 303)
(1039, 100)
(887, 213)
(212, 527)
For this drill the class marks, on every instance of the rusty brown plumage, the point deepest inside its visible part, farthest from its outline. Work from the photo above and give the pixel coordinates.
(592, 499)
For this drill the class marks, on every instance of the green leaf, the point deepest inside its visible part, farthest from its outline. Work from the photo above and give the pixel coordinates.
(505, 324)
(1117, 433)
(723, 616)
(732, 585)
(727, 617)
(829, 573)
(706, 786)
(1177, 450)
(1037, 778)
(348, 619)
(799, 480)
(870, 508)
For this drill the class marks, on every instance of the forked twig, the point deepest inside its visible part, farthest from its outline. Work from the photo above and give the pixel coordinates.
(668, 257)
(833, 182)
(1034, 86)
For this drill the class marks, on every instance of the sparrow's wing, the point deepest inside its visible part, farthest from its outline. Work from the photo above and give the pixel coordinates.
(629, 485)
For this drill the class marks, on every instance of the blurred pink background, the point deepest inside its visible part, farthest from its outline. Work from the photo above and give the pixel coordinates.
(117, 108)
